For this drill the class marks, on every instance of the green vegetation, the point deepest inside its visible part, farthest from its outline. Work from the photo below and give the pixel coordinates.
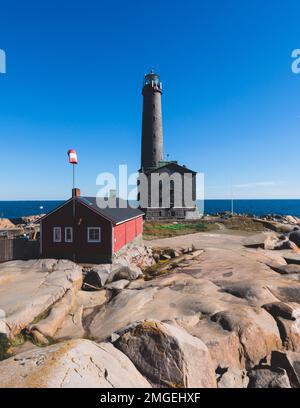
(161, 268)
(243, 224)
(18, 340)
(167, 229)
(47, 342)
(163, 229)
(6, 350)
(41, 316)
(196, 227)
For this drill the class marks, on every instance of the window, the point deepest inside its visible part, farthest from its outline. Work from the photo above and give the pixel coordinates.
(56, 234)
(68, 234)
(160, 194)
(94, 234)
(172, 194)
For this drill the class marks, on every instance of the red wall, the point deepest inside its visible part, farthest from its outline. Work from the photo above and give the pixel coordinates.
(126, 232)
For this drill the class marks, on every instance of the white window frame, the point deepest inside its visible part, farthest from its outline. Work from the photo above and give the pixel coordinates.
(93, 240)
(54, 231)
(70, 229)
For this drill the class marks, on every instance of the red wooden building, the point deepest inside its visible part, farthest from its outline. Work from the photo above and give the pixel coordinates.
(81, 231)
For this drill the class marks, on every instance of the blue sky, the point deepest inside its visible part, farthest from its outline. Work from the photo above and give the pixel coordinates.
(231, 104)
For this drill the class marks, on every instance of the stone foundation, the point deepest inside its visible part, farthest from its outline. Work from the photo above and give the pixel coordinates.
(137, 242)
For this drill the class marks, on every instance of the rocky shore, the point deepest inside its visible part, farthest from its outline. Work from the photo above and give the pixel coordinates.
(203, 310)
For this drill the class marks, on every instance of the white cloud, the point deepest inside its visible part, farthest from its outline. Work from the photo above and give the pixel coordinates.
(256, 184)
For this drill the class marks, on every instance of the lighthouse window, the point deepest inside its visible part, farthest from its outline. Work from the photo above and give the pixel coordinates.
(154, 136)
(153, 105)
(172, 193)
(153, 118)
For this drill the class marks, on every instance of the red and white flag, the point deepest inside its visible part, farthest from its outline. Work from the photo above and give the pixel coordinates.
(72, 156)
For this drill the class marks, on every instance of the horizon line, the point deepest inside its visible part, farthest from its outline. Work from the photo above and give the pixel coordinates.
(205, 199)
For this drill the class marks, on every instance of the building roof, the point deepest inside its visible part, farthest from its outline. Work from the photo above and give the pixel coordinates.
(172, 165)
(121, 213)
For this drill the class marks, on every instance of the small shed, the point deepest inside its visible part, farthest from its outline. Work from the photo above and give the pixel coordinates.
(81, 231)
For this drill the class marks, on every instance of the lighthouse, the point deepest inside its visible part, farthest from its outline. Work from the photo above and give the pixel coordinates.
(152, 130)
(163, 185)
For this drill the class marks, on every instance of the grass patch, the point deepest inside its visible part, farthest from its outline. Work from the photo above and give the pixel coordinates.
(24, 336)
(243, 224)
(49, 342)
(154, 230)
(165, 229)
(18, 340)
(43, 341)
(6, 349)
(160, 268)
(179, 227)
(41, 316)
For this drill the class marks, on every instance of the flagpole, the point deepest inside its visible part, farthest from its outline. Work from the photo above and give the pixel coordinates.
(74, 209)
(73, 160)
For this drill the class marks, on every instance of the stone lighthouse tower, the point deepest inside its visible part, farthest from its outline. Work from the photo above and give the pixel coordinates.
(152, 132)
(163, 185)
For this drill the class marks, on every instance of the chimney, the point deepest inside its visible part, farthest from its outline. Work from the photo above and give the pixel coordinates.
(75, 192)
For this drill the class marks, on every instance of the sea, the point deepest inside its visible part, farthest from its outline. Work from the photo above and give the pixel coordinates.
(16, 209)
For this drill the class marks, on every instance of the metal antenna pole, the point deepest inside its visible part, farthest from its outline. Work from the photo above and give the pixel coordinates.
(231, 192)
(73, 175)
